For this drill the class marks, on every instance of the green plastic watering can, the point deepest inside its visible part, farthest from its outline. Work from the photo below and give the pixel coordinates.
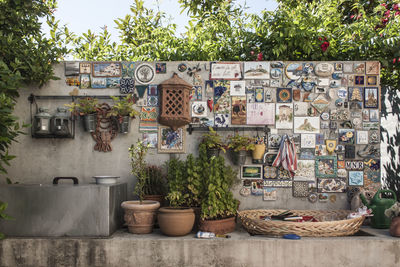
(378, 206)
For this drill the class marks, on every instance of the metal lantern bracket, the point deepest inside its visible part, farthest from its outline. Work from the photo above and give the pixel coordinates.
(32, 99)
(264, 129)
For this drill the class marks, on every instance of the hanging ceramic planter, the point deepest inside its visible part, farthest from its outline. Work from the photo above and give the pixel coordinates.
(239, 157)
(258, 153)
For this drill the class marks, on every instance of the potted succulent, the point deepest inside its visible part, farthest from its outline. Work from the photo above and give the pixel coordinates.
(155, 184)
(140, 214)
(87, 108)
(218, 207)
(394, 213)
(239, 146)
(184, 191)
(213, 142)
(123, 111)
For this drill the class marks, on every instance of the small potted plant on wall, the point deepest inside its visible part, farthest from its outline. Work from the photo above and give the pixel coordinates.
(394, 214)
(123, 111)
(155, 185)
(218, 207)
(140, 214)
(240, 145)
(213, 142)
(87, 108)
(184, 190)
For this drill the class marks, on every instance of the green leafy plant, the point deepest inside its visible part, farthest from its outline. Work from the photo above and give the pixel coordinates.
(218, 201)
(212, 140)
(185, 187)
(156, 181)
(123, 107)
(238, 142)
(139, 168)
(3, 215)
(84, 106)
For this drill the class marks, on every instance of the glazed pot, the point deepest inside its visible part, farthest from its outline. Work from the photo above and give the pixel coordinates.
(239, 157)
(395, 227)
(176, 221)
(258, 153)
(140, 217)
(219, 227)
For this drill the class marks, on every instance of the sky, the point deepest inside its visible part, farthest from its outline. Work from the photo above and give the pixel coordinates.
(81, 15)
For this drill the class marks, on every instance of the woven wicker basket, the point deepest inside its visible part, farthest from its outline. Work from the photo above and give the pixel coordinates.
(331, 223)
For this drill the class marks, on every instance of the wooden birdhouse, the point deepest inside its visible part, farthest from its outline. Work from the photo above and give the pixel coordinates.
(175, 98)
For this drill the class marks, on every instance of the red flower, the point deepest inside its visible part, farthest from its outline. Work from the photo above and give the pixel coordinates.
(352, 16)
(397, 13)
(260, 56)
(394, 60)
(395, 7)
(324, 46)
(385, 5)
(387, 13)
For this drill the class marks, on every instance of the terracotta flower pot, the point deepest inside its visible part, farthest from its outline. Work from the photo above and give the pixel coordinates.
(219, 227)
(395, 227)
(140, 217)
(159, 198)
(176, 221)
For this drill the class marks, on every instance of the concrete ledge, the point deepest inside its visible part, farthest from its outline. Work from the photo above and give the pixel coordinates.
(124, 249)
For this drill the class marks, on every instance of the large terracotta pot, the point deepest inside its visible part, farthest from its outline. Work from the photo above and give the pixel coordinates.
(159, 198)
(219, 227)
(395, 227)
(176, 221)
(140, 217)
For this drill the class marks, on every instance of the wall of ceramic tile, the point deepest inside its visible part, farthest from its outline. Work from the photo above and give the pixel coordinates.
(329, 113)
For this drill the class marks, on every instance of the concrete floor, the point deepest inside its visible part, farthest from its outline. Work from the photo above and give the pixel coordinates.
(372, 248)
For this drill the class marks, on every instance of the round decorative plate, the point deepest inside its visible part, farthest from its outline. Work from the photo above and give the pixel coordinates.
(325, 116)
(313, 198)
(294, 71)
(245, 192)
(284, 95)
(182, 67)
(144, 73)
(324, 69)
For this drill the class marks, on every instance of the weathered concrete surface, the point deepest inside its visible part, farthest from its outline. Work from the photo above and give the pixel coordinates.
(124, 249)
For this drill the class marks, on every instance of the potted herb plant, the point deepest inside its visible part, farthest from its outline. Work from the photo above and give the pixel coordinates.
(240, 145)
(155, 185)
(87, 108)
(218, 206)
(140, 214)
(394, 214)
(213, 142)
(184, 191)
(123, 111)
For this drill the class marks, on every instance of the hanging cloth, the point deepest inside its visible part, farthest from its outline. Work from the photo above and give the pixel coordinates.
(286, 156)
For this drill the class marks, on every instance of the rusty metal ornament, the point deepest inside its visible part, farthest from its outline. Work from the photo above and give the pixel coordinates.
(106, 129)
(175, 109)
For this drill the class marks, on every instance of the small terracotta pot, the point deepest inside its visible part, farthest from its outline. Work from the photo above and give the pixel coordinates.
(395, 227)
(140, 217)
(176, 221)
(219, 227)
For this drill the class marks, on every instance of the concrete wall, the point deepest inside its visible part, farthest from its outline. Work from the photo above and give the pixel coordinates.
(39, 160)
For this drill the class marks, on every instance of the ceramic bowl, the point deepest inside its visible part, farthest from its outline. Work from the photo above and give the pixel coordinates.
(106, 179)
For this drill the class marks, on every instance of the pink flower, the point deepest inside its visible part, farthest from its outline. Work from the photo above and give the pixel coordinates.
(324, 46)
(252, 52)
(320, 38)
(260, 56)
(397, 13)
(385, 5)
(352, 16)
(395, 7)
(387, 13)
(394, 60)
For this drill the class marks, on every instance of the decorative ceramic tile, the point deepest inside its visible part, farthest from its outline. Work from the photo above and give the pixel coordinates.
(238, 110)
(85, 68)
(278, 183)
(150, 139)
(270, 172)
(259, 94)
(276, 73)
(348, 67)
(359, 80)
(355, 94)
(209, 88)
(106, 69)
(127, 85)
(307, 153)
(284, 116)
(305, 170)
(324, 69)
(307, 140)
(144, 73)
(325, 166)
(346, 136)
(362, 137)
(332, 185)
(372, 67)
(342, 173)
(371, 97)
(372, 164)
(283, 174)
(71, 68)
(222, 120)
(161, 68)
(356, 178)
(269, 94)
(148, 114)
(238, 88)
(257, 188)
(99, 83)
(372, 80)
(306, 124)
(300, 108)
(85, 81)
(341, 164)
(256, 70)
(128, 69)
(359, 68)
(152, 89)
(354, 165)
(222, 100)
(300, 189)
(113, 82)
(148, 126)
(199, 109)
(270, 194)
(261, 114)
(284, 95)
(245, 191)
(320, 103)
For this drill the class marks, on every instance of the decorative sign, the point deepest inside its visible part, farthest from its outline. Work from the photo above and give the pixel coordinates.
(261, 114)
(225, 71)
